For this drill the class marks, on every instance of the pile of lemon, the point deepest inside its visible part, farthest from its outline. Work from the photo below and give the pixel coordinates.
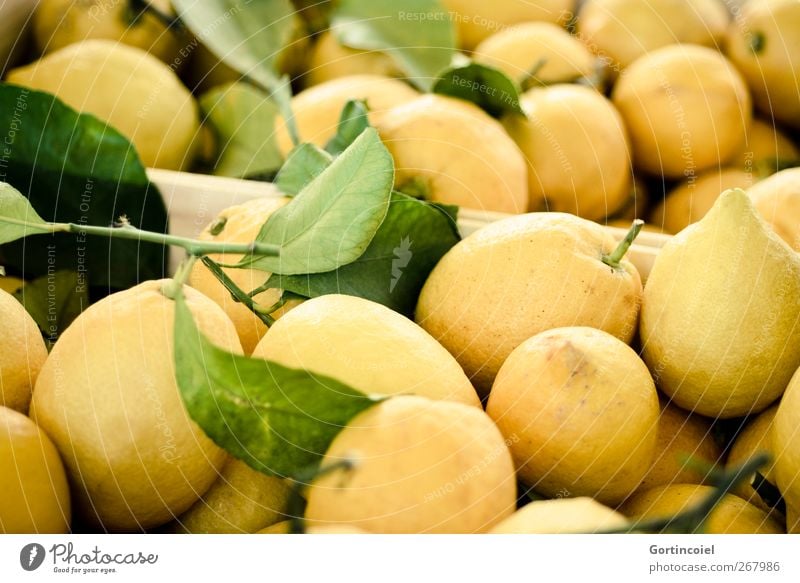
(538, 361)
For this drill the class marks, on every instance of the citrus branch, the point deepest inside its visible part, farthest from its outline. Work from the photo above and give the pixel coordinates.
(124, 230)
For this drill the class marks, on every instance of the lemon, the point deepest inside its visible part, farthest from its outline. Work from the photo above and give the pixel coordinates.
(129, 89)
(682, 440)
(107, 397)
(367, 346)
(621, 31)
(330, 60)
(10, 284)
(731, 516)
(577, 150)
(240, 224)
(720, 308)
(784, 446)
(562, 516)
(284, 527)
(317, 109)
(686, 109)
(59, 23)
(450, 151)
(777, 200)
(755, 438)
(689, 202)
(762, 43)
(242, 500)
(34, 495)
(22, 353)
(475, 20)
(768, 149)
(543, 48)
(520, 276)
(421, 466)
(578, 407)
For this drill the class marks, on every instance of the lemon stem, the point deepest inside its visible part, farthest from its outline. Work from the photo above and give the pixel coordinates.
(615, 257)
(173, 287)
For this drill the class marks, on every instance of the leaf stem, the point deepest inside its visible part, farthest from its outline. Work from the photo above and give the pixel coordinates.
(614, 258)
(236, 292)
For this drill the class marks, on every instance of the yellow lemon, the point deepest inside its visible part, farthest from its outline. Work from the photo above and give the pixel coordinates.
(284, 527)
(731, 516)
(107, 397)
(755, 438)
(784, 446)
(686, 109)
(330, 60)
(242, 500)
(129, 89)
(777, 199)
(681, 439)
(767, 150)
(621, 31)
(34, 495)
(689, 202)
(578, 408)
(239, 224)
(716, 336)
(562, 516)
(10, 284)
(762, 43)
(59, 23)
(420, 466)
(476, 20)
(367, 346)
(541, 47)
(22, 354)
(577, 150)
(450, 151)
(317, 109)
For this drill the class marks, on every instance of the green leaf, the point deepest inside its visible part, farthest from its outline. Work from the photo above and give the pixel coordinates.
(418, 34)
(304, 163)
(484, 86)
(242, 118)
(249, 37)
(278, 420)
(74, 168)
(410, 242)
(333, 219)
(17, 217)
(54, 301)
(352, 122)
